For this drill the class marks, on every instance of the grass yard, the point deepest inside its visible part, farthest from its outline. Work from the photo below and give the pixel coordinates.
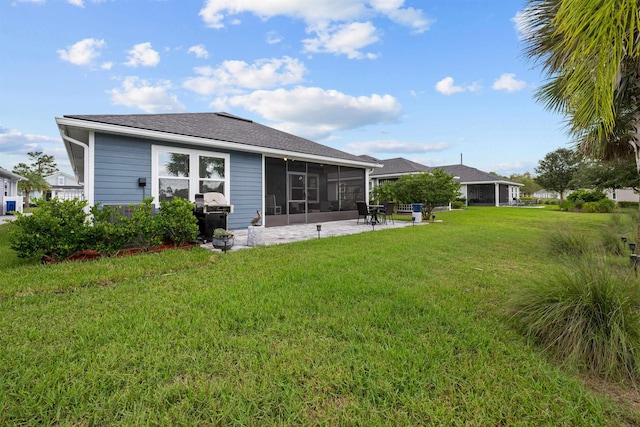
(392, 327)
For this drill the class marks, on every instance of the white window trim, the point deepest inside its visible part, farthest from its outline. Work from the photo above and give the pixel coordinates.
(193, 166)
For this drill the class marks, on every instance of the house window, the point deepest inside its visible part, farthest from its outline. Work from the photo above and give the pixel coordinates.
(61, 180)
(185, 173)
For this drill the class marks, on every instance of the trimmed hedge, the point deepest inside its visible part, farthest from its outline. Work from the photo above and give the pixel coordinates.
(60, 228)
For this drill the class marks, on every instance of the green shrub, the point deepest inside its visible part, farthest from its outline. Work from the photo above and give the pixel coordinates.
(457, 205)
(606, 206)
(110, 231)
(589, 316)
(589, 207)
(586, 196)
(624, 205)
(178, 223)
(56, 230)
(60, 228)
(567, 205)
(144, 225)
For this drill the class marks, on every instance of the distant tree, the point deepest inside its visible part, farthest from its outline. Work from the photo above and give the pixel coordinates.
(612, 175)
(41, 165)
(384, 192)
(432, 189)
(530, 185)
(556, 171)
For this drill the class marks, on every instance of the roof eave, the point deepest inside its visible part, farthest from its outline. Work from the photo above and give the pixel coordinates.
(208, 142)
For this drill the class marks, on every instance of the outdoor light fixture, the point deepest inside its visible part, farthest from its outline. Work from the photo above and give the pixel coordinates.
(225, 239)
(433, 217)
(632, 246)
(373, 224)
(319, 228)
(624, 239)
(413, 220)
(635, 259)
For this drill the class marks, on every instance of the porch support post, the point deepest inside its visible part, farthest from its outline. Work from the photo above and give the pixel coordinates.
(497, 193)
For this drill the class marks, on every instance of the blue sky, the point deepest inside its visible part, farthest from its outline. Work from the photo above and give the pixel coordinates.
(429, 80)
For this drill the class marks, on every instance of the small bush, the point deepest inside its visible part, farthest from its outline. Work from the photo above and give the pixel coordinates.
(178, 223)
(606, 206)
(589, 316)
(110, 231)
(567, 205)
(590, 207)
(457, 205)
(625, 205)
(586, 196)
(57, 229)
(146, 228)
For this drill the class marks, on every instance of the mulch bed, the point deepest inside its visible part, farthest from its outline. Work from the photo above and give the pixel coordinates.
(90, 254)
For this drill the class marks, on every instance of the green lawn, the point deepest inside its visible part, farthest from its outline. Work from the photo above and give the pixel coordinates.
(392, 327)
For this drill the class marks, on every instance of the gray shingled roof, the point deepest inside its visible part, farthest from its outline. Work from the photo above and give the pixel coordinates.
(469, 174)
(398, 166)
(222, 127)
(466, 174)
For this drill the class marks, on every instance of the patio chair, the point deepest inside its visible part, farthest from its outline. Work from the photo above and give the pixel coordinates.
(271, 207)
(363, 211)
(388, 211)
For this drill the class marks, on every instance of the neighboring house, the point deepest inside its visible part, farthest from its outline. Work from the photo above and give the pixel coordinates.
(483, 188)
(546, 194)
(121, 159)
(9, 199)
(62, 186)
(622, 195)
(478, 187)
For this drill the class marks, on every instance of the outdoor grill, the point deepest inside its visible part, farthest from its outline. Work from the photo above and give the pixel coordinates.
(211, 210)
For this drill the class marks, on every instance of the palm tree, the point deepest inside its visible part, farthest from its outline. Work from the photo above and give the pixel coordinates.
(590, 51)
(33, 181)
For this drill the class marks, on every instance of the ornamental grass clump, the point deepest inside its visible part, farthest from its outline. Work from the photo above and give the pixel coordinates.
(588, 316)
(565, 241)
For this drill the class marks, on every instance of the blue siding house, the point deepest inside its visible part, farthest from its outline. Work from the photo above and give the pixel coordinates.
(122, 159)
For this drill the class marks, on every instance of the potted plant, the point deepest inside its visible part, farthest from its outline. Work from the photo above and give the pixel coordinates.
(222, 239)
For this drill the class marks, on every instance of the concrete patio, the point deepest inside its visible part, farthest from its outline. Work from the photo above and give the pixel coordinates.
(297, 232)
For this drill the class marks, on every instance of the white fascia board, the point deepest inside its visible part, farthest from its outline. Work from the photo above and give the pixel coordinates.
(206, 142)
(492, 182)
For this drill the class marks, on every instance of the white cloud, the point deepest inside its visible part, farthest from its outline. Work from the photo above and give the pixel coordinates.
(273, 37)
(14, 146)
(138, 93)
(144, 55)
(447, 87)
(199, 51)
(313, 112)
(345, 39)
(336, 25)
(79, 3)
(395, 146)
(236, 76)
(509, 83)
(106, 65)
(82, 53)
(407, 17)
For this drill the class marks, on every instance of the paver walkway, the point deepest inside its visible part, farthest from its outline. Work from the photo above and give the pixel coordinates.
(294, 233)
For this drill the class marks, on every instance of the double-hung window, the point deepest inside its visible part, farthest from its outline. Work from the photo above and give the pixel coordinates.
(184, 173)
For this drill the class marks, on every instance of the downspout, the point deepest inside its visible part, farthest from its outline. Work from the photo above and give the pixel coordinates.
(86, 181)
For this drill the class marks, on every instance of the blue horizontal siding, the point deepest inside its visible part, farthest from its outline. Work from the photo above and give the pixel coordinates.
(119, 162)
(246, 188)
